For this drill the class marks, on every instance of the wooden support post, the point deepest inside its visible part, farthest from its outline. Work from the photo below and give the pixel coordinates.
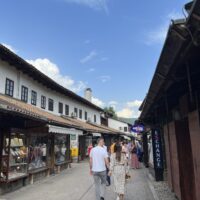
(31, 179)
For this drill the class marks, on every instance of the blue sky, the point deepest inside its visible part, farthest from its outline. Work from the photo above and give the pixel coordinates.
(112, 46)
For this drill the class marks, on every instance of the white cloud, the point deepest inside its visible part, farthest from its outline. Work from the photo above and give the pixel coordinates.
(128, 113)
(104, 79)
(98, 102)
(158, 35)
(89, 57)
(135, 103)
(52, 70)
(94, 4)
(91, 70)
(130, 109)
(113, 104)
(11, 48)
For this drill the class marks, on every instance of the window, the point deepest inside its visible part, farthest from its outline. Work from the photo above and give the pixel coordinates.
(9, 87)
(24, 94)
(33, 98)
(51, 104)
(95, 118)
(60, 108)
(86, 117)
(125, 129)
(75, 112)
(66, 109)
(43, 102)
(38, 151)
(80, 114)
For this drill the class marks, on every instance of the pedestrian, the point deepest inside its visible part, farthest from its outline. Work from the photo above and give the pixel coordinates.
(126, 153)
(107, 169)
(90, 147)
(113, 146)
(118, 170)
(134, 157)
(98, 163)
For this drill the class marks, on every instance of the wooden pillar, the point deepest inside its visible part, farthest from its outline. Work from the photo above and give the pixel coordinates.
(174, 159)
(194, 126)
(1, 149)
(52, 153)
(145, 149)
(168, 156)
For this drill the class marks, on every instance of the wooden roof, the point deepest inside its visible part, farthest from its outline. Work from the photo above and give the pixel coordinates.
(9, 104)
(181, 37)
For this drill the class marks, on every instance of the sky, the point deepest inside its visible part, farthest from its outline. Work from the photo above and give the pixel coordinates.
(111, 46)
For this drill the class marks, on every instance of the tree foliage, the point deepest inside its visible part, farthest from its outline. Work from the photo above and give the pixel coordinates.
(111, 111)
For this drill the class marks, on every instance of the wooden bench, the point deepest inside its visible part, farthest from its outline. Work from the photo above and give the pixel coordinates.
(36, 171)
(58, 165)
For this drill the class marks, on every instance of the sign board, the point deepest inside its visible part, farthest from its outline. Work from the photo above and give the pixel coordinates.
(137, 128)
(74, 152)
(157, 149)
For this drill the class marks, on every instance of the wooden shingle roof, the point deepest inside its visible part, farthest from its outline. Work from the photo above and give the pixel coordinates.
(9, 104)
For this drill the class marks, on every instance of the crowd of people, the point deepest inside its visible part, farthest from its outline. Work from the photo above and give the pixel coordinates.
(114, 161)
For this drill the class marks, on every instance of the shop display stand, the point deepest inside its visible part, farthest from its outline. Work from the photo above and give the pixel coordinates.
(8, 169)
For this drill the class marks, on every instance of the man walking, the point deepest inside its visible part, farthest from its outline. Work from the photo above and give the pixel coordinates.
(98, 163)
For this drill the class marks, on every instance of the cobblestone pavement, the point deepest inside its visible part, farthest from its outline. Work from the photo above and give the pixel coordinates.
(163, 192)
(77, 184)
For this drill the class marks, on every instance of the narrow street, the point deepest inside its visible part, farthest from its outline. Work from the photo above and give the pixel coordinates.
(77, 184)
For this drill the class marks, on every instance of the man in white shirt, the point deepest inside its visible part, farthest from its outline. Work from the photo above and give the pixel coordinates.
(98, 163)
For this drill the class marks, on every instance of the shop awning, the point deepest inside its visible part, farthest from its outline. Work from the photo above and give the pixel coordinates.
(15, 106)
(96, 134)
(126, 137)
(61, 130)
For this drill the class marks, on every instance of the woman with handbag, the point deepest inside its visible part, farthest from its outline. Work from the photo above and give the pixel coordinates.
(134, 157)
(118, 170)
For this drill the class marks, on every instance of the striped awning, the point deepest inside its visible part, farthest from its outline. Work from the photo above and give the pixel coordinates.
(61, 130)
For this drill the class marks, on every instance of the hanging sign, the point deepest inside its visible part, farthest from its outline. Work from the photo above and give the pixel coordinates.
(137, 128)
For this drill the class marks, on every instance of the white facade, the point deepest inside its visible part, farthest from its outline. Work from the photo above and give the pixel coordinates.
(19, 78)
(118, 125)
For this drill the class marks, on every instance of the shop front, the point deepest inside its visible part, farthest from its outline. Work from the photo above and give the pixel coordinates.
(65, 146)
(14, 158)
(19, 152)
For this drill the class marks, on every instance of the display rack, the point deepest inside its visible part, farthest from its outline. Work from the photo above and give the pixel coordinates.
(14, 158)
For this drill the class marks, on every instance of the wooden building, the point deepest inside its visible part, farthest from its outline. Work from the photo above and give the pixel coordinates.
(42, 124)
(172, 105)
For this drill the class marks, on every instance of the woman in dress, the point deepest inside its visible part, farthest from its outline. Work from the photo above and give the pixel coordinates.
(134, 157)
(118, 170)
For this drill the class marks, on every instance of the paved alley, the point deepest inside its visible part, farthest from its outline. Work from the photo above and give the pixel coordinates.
(77, 184)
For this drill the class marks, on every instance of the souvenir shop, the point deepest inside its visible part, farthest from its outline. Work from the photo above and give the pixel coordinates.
(29, 153)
